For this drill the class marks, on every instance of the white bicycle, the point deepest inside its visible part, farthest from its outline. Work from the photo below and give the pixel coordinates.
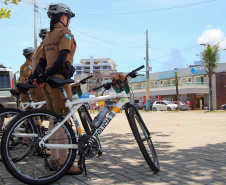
(35, 168)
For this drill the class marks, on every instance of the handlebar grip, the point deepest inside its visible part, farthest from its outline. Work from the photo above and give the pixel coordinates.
(83, 81)
(107, 86)
(95, 88)
(139, 68)
(88, 77)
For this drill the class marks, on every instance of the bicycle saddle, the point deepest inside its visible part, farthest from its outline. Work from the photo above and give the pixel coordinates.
(15, 91)
(25, 87)
(56, 82)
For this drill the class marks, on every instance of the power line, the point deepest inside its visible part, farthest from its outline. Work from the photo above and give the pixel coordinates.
(154, 10)
(107, 41)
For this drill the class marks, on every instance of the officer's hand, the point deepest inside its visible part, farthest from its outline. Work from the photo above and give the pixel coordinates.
(41, 85)
(40, 80)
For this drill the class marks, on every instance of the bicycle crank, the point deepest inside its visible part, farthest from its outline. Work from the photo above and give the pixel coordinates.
(88, 146)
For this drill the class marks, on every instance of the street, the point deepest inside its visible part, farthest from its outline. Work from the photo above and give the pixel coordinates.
(191, 147)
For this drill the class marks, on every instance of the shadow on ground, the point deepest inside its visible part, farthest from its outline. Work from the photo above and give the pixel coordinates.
(123, 163)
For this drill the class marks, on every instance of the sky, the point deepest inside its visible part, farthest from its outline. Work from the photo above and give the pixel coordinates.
(117, 30)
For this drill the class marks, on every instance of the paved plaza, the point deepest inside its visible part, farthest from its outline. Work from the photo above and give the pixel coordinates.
(191, 147)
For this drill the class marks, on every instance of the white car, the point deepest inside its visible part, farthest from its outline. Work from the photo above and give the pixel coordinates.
(164, 105)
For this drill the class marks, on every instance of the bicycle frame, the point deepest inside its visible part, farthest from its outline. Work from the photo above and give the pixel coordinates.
(34, 105)
(73, 106)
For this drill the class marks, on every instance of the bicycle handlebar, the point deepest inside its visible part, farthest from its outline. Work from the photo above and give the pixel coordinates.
(133, 74)
(106, 86)
(83, 81)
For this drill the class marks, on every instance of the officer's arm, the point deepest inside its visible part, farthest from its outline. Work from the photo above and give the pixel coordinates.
(57, 65)
(40, 68)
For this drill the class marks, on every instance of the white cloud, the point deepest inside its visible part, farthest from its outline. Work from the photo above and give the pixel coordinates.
(212, 37)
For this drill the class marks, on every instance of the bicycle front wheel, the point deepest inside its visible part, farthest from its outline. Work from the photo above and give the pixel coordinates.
(143, 138)
(40, 165)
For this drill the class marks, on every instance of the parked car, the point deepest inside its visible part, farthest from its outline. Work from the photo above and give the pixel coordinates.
(144, 106)
(182, 105)
(138, 106)
(223, 107)
(164, 105)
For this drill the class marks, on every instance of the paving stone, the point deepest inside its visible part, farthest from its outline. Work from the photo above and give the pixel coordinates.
(192, 153)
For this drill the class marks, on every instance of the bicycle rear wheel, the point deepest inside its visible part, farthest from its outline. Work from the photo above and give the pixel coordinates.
(143, 138)
(37, 167)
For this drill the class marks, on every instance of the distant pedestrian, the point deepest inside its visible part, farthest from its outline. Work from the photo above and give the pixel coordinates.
(188, 103)
(92, 104)
(101, 104)
(201, 104)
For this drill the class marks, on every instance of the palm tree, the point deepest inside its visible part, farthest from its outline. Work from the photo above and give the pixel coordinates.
(210, 58)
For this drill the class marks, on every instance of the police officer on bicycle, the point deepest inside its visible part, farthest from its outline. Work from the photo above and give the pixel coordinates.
(56, 60)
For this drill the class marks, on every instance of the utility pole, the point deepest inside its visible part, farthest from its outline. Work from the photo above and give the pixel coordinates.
(35, 30)
(147, 75)
(177, 92)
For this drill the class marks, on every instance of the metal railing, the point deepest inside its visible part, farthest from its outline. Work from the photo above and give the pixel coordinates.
(172, 85)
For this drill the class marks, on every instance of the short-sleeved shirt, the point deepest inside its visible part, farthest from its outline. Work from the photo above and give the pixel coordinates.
(59, 39)
(92, 96)
(26, 68)
(36, 57)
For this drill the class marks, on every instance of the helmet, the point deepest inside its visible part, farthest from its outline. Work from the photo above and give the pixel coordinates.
(43, 32)
(59, 8)
(28, 51)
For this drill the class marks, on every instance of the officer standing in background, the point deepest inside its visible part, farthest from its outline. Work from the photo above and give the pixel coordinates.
(26, 69)
(57, 58)
(37, 92)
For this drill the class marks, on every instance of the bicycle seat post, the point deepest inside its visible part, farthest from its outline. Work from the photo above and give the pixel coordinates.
(65, 94)
(31, 99)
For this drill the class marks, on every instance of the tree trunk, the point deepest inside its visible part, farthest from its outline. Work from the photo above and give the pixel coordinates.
(210, 92)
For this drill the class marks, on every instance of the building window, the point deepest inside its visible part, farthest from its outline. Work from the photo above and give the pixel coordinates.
(105, 78)
(156, 83)
(173, 82)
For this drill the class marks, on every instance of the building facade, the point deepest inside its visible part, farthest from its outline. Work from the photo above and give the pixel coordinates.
(95, 65)
(102, 69)
(193, 86)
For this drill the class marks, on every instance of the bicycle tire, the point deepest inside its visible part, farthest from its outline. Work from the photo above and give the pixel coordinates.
(38, 169)
(6, 113)
(143, 138)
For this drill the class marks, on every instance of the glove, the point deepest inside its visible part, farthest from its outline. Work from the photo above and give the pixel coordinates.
(41, 80)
